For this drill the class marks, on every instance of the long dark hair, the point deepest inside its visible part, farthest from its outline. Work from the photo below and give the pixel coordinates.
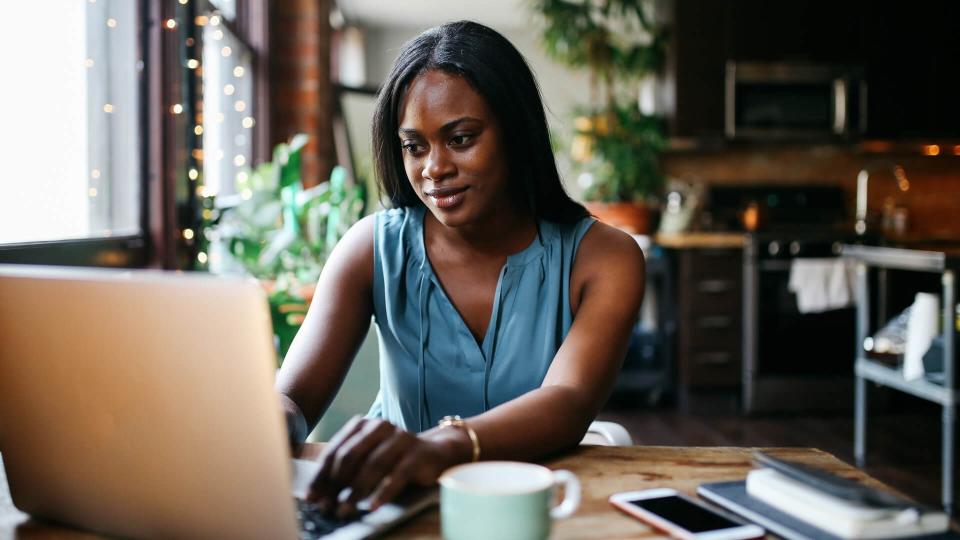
(499, 73)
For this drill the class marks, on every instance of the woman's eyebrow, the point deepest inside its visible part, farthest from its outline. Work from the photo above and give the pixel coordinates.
(449, 126)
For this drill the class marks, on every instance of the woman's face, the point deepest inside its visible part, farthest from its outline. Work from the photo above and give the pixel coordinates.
(452, 153)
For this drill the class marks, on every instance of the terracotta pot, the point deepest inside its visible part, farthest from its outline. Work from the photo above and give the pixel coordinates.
(633, 218)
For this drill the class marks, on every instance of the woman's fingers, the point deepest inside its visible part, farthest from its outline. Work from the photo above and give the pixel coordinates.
(320, 489)
(399, 478)
(380, 463)
(353, 452)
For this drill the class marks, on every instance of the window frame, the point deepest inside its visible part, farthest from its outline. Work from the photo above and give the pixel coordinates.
(159, 242)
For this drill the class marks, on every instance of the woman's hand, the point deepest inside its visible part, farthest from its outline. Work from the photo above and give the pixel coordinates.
(374, 458)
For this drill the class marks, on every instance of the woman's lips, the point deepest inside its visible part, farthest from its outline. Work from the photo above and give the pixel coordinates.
(446, 199)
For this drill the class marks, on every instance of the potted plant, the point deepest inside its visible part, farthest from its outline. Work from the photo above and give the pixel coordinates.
(615, 146)
(281, 233)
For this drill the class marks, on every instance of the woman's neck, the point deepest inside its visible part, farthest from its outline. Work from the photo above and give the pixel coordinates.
(504, 234)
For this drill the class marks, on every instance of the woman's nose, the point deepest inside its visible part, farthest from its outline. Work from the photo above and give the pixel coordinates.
(438, 165)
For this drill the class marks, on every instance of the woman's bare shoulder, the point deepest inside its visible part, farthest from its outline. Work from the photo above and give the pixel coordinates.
(603, 246)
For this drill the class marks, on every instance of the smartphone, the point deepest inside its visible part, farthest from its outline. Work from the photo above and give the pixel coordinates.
(681, 517)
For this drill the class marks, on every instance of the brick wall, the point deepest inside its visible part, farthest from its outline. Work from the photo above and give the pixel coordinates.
(301, 96)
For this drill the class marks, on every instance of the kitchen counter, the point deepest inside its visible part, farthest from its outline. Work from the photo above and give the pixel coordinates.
(694, 240)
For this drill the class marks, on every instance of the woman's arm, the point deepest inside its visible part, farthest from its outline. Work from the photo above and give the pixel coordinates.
(374, 457)
(609, 275)
(331, 334)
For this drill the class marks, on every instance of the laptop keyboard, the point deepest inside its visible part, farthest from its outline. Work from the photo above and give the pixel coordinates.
(314, 524)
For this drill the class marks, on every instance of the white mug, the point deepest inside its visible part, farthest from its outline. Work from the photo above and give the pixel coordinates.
(506, 500)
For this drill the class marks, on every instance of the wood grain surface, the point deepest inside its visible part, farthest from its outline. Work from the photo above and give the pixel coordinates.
(602, 470)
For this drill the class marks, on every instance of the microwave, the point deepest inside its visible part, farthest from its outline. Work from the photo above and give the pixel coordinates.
(781, 100)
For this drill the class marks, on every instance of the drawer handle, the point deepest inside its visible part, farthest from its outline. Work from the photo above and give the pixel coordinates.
(716, 321)
(714, 286)
(713, 359)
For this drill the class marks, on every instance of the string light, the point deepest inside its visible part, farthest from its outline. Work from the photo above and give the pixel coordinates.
(108, 108)
(176, 108)
(193, 174)
(188, 234)
(238, 71)
(197, 154)
(88, 62)
(207, 214)
(92, 192)
(218, 35)
(240, 106)
(200, 20)
(956, 150)
(184, 2)
(215, 20)
(246, 194)
(229, 89)
(189, 42)
(202, 257)
(111, 22)
(239, 160)
(171, 24)
(220, 117)
(248, 122)
(95, 174)
(198, 130)
(219, 154)
(225, 52)
(931, 150)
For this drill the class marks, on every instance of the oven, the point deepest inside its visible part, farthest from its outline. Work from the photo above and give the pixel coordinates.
(792, 361)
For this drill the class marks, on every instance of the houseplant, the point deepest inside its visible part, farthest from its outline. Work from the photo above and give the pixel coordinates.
(615, 146)
(281, 233)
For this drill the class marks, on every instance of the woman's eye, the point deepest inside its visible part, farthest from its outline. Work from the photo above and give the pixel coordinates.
(411, 147)
(459, 140)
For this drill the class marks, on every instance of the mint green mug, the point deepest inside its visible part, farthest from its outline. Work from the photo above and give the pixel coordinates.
(506, 500)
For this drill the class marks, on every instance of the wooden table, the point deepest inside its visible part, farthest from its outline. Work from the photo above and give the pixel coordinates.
(603, 470)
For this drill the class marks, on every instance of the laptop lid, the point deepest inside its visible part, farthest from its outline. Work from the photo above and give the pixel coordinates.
(141, 404)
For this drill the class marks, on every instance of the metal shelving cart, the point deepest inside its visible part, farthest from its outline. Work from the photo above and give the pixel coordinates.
(945, 263)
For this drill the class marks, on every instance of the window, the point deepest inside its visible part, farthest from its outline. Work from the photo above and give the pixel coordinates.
(228, 119)
(71, 135)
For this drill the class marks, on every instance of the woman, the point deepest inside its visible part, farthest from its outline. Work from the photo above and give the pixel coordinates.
(497, 298)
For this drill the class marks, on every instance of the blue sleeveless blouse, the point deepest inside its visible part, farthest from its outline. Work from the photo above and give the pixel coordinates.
(430, 363)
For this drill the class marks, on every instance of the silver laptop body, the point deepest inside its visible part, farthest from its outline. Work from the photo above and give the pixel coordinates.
(141, 404)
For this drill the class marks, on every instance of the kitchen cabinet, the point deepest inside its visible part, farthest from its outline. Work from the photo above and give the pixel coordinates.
(709, 315)
(910, 55)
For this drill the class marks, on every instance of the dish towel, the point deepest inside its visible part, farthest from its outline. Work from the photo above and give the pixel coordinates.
(822, 284)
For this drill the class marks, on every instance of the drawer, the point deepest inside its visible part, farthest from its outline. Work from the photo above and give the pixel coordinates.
(721, 331)
(708, 294)
(715, 263)
(712, 368)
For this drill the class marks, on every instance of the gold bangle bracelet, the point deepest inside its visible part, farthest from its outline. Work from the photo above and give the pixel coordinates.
(457, 422)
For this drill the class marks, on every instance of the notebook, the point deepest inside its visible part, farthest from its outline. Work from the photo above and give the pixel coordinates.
(141, 404)
(733, 497)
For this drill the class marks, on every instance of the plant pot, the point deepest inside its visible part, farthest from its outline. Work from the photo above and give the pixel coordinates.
(633, 218)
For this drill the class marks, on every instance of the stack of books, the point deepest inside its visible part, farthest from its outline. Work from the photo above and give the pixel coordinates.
(795, 501)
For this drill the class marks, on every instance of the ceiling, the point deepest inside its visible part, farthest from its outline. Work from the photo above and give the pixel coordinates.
(503, 14)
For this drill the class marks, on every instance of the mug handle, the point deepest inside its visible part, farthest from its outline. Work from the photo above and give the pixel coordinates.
(571, 494)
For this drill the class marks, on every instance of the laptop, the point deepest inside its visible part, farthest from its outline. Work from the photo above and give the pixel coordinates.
(141, 404)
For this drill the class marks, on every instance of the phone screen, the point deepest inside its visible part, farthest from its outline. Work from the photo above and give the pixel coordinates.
(685, 514)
